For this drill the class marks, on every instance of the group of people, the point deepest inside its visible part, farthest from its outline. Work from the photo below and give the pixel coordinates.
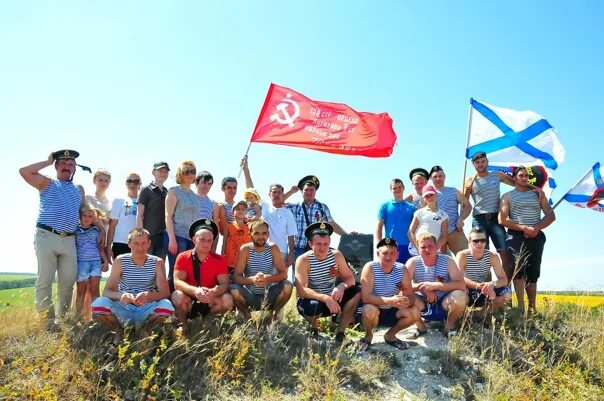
(426, 268)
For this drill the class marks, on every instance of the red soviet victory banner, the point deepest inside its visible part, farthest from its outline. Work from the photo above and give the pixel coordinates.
(290, 118)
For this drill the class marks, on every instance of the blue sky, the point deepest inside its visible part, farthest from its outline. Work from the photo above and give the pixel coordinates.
(130, 83)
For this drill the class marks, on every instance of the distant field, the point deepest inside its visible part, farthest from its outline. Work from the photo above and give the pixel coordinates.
(13, 277)
(573, 298)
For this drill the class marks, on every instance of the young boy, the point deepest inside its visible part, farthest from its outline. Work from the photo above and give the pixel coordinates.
(236, 234)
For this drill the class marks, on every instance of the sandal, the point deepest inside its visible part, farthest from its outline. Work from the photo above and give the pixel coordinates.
(398, 344)
(448, 333)
(417, 333)
(364, 344)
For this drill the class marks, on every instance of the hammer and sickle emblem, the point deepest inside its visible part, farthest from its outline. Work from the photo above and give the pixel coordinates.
(282, 115)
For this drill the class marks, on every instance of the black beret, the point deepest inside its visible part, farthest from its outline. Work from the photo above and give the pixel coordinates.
(435, 168)
(320, 227)
(419, 171)
(203, 223)
(309, 179)
(387, 241)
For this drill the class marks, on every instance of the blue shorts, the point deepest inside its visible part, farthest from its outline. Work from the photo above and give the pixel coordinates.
(476, 298)
(494, 230)
(131, 314)
(87, 269)
(433, 312)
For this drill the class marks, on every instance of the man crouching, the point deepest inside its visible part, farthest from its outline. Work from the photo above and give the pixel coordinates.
(200, 277)
(137, 290)
(260, 275)
(316, 274)
(439, 286)
(384, 302)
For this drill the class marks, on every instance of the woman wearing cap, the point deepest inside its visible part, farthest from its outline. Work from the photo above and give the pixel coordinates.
(428, 219)
(182, 209)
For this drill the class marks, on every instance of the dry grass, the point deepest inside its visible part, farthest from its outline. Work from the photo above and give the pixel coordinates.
(225, 359)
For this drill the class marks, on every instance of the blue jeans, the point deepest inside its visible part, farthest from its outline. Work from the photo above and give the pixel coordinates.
(182, 244)
(489, 223)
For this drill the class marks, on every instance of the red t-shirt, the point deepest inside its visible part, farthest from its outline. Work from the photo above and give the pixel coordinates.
(210, 268)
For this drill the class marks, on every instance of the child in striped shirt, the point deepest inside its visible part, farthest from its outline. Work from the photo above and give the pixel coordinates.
(92, 260)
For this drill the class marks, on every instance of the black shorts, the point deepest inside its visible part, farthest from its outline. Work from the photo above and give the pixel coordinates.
(314, 308)
(198, 309)
(388, 317)
(530, 250)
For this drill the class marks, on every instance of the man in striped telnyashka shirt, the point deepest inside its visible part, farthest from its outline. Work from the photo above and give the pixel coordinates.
(54, 242)
(438, 284)
(477, 263)
(260, 275)
(317, 271)
(384, 302)
(137, 289)
(521, 213)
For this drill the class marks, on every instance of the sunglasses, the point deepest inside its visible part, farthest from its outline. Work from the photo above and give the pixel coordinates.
(479, 241)
(133, 181)
(189, 172)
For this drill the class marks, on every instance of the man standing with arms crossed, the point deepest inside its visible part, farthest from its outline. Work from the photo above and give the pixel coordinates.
(521, 213)
(58, 218)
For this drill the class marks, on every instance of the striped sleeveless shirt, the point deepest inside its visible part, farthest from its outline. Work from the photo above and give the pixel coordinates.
(228, 211)
(436, 273)
(259, 262)
(138, 278)
(60, 205)
(320, 277)
(206, 208)
(187, 211)
(485, 193)
(525, 207)
(87, 244)
(447, 201)
(386, 284)
(477, 270)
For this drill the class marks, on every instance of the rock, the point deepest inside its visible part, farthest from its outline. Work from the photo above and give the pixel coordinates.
(445, 391)
(424, 359)
(422, 371)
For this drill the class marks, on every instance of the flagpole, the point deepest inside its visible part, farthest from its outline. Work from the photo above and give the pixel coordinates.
(245, 157)
(571, 188)
(465, 165)
(264, 106)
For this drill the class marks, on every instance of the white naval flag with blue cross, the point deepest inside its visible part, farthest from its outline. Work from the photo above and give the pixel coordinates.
(589, 192)
(512, 138)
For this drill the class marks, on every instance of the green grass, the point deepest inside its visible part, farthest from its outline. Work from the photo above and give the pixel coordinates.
(19, 297)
